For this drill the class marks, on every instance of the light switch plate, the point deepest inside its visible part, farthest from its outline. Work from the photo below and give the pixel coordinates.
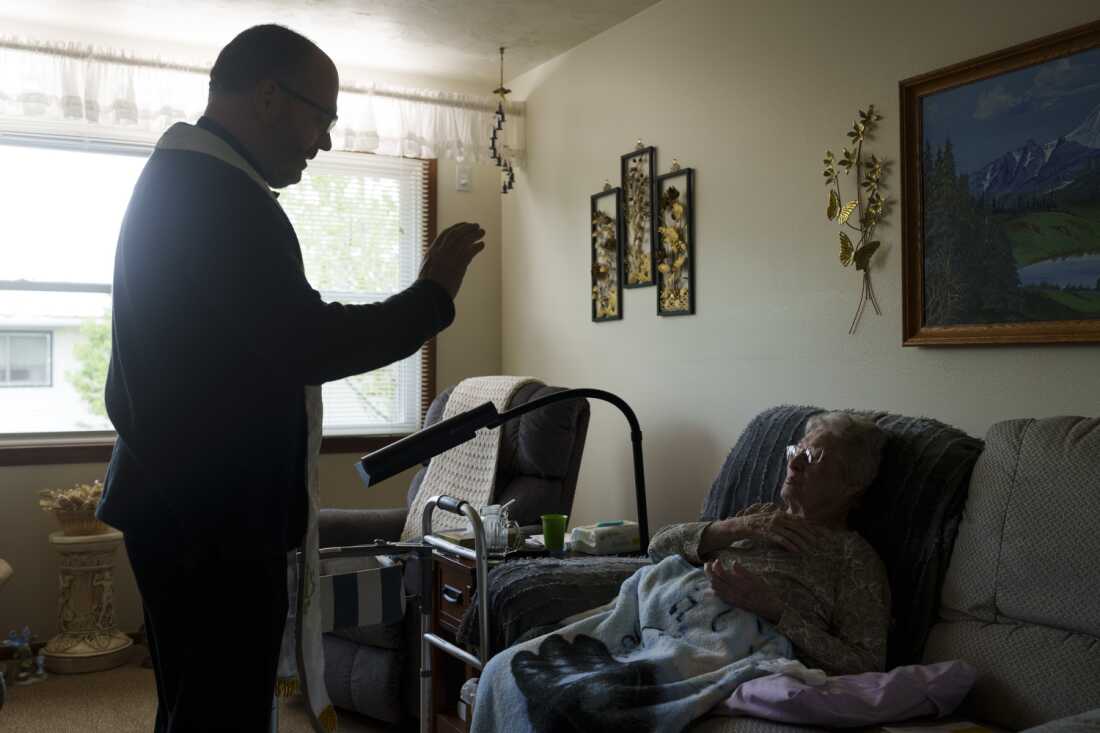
(464, 174)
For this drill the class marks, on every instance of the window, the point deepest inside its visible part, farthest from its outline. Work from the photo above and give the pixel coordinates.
(362, 221)
(24, 359)
(63, 205)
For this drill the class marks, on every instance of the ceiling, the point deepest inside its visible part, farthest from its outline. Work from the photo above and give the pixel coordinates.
(451, 39)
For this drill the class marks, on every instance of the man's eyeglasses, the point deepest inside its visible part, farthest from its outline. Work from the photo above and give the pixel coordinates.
(813, 455)
(306, 100)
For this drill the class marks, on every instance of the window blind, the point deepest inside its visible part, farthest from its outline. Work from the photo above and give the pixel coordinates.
(362, 221)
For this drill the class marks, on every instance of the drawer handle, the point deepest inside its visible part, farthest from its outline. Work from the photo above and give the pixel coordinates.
(452, 594)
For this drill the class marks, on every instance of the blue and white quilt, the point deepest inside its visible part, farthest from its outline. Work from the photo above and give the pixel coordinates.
(665, 653)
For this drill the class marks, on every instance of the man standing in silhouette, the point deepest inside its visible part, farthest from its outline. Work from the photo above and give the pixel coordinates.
(217, 337)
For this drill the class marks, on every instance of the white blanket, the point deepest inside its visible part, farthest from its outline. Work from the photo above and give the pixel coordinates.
(663, 655)
(467, 471)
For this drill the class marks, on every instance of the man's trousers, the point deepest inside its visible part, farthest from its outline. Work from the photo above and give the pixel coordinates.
(214, 620)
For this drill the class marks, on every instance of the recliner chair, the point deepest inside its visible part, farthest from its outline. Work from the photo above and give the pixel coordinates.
(373, 670)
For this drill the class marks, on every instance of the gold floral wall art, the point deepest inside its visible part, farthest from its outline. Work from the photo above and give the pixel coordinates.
(637, 170)
(863, 213)
(607, 271)
(675, 251)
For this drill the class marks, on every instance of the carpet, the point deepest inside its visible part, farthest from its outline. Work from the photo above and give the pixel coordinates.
(123, 700)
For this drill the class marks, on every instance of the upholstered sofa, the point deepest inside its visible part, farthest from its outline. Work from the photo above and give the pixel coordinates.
(1020, 598)
(374, 670)
(992, 548)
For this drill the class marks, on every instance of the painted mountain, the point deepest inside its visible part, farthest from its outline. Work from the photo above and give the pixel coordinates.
(1035, 168)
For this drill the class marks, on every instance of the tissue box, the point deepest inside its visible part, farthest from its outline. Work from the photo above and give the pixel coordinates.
(606, 538)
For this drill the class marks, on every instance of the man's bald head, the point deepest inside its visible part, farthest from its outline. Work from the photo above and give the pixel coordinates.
(262, 52)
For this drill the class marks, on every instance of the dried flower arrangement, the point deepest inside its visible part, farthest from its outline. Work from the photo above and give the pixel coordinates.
(637, 181)
(675, 251)
(75, 508)
(869, 206)
(605, 269)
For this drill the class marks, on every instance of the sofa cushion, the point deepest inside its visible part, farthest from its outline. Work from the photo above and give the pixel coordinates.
(532, 497)
(383, 636)
(721, 724)
(544, 441)
(344, 527)
(1019, 600)
(1084, 723)
(909, 514)
(1027, 674)
(364, 678)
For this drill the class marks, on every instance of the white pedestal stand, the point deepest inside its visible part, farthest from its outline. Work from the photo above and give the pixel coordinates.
(88, 641)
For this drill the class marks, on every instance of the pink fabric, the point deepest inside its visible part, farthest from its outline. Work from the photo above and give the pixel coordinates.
(858, 699)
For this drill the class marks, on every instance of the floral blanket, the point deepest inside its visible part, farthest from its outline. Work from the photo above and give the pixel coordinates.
(664, 654)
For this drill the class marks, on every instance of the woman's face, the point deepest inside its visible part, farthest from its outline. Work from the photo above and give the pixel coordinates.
(818, 488)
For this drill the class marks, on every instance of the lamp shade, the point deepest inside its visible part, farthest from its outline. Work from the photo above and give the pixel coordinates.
(419, 447)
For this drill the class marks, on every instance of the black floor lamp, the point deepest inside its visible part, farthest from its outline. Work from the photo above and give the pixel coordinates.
(446, 434)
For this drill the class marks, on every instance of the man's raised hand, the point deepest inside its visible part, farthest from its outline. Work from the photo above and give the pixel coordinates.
(450, 254)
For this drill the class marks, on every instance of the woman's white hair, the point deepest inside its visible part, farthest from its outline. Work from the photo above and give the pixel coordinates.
(863, 439)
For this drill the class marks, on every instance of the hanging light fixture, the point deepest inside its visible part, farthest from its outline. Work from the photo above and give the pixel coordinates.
(496, 139)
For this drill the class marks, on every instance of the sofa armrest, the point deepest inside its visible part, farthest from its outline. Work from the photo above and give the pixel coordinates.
(342, 527)
(1087, 722)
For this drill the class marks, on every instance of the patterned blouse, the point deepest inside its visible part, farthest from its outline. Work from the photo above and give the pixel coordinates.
(836, 596)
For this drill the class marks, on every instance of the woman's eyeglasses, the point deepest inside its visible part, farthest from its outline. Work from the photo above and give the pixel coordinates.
(813, 455)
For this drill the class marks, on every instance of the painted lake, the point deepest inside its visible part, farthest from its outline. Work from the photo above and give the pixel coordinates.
(1081, 271)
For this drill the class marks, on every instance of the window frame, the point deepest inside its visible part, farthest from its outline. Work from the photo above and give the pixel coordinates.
(48, 335)
(42, 449)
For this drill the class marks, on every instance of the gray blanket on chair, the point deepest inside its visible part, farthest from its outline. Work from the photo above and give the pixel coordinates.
(528, 597)
(910, 514)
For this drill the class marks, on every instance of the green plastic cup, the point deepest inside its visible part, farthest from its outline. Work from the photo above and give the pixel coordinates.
(553, 531)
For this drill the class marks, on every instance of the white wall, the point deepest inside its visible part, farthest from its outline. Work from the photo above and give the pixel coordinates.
(751, 93)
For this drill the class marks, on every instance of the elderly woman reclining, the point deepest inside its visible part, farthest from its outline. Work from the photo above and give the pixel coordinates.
(722, 597)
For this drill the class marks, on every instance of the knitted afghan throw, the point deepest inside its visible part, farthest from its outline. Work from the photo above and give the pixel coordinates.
(468, 471)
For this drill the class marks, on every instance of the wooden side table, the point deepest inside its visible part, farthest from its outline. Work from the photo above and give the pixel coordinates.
(88, 640)
(453, 591)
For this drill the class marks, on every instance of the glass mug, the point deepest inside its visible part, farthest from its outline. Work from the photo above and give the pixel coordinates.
(502, 535)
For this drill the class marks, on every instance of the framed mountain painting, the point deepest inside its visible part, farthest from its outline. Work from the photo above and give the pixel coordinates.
(1001, 196)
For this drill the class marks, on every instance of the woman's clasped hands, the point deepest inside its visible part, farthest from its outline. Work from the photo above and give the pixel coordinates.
(786, 530)
(739, 587)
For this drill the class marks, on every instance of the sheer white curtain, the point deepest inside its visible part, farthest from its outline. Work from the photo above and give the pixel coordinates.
(424, 123)
(74, 90)
(45, 92)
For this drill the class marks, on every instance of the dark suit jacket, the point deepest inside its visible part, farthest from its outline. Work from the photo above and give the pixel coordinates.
(216, 332)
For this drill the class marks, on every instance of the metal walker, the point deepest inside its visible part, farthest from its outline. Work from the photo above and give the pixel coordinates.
(412, 450)
(424, 552)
